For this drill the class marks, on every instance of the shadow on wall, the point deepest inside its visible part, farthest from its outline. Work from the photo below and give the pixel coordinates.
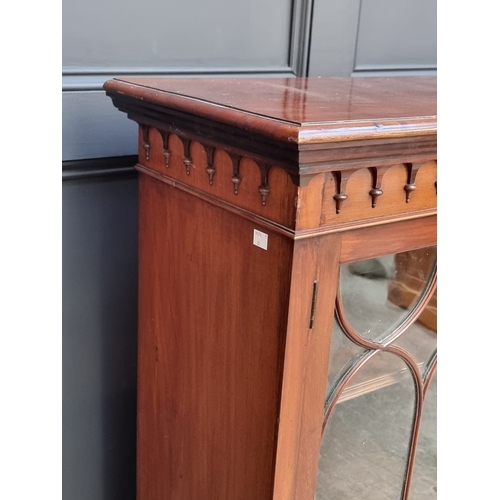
(99, 337)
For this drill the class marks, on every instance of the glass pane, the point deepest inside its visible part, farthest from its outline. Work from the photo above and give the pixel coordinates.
(419, 340)
(424, 480)
(365, 443)
(342, 353)
(378, 294)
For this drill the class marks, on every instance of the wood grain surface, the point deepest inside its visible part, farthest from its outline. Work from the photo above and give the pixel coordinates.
(212, 324)
(314, 109)
(306, 367)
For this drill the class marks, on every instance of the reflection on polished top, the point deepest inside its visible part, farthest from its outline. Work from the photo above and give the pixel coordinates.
(303, 109)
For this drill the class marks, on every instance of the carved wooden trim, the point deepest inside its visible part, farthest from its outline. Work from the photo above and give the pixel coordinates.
(187, 156)
(341, 177)
(186, 142)
(235, 178)
(377, 176)
(145, 140)
(264, 186)
(166, 151)
(375, 193)
(210, 168)
(410, 186)
(340, 186)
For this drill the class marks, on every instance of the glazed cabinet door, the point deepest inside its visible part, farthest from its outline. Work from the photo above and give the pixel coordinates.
(379, 421)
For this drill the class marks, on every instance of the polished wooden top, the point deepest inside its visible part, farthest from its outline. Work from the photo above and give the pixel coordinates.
(298, 110)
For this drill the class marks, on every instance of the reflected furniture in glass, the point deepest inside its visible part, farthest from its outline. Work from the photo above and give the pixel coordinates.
(287, 287)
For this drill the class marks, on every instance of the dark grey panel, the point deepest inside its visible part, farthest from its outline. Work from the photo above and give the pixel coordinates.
(119, 34)
(77, 81)
(301, 36)
(93, 128)
(397, 34)
(99, 283)
(333, 38)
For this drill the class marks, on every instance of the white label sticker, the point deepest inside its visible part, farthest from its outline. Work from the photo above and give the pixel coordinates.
(260, 239)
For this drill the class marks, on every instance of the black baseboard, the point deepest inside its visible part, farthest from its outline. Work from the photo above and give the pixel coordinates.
(97, 167)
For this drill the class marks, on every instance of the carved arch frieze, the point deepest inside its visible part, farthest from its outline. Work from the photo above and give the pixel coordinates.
(175, 154)
(347, 194)
(383, 185)
(263, 189)
(357, 194)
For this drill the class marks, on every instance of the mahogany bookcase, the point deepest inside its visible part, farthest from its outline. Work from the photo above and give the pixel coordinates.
(254, 195)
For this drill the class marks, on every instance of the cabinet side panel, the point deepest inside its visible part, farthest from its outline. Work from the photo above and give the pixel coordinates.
(212, 319)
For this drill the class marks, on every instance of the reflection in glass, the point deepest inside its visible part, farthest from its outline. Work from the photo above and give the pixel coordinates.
(365, 443)
(385, 322)
(418, 340)
(343, 352)
(379, 294)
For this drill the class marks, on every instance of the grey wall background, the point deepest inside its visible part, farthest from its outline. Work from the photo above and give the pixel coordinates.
(175, 38)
